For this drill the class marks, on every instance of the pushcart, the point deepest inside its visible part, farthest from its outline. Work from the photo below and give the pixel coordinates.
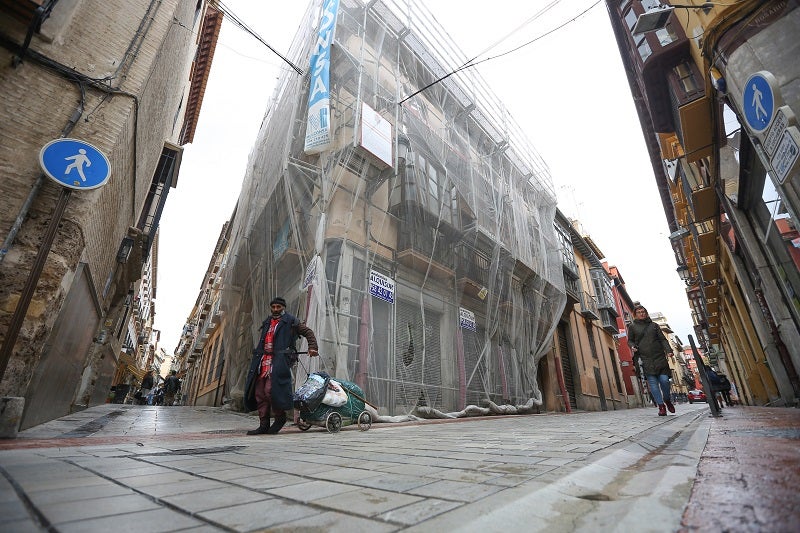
(333, 418)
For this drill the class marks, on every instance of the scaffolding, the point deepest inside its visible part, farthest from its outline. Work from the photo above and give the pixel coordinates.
(425, 259)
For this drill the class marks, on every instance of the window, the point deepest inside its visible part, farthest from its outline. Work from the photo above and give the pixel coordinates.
(644, 49)
(220, 361)
(630, 19)
(437, 196)
(602, 288)
(590, 334)
(686, 77)
(567, 250)
(666, 35)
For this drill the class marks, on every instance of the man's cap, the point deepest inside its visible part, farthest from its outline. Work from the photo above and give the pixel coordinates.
(278, 300)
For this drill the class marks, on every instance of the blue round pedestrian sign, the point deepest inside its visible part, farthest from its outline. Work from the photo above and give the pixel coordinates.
(75, 164)
(758, 101)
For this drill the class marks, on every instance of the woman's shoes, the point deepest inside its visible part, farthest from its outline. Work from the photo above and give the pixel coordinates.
(662, 410)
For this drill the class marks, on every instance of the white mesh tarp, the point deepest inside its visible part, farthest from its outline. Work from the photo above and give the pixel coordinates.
(460, 224)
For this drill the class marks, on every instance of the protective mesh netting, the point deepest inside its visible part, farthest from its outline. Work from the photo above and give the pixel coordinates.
(461, 222)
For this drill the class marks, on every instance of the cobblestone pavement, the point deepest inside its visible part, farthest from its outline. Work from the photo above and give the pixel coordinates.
(119, 467)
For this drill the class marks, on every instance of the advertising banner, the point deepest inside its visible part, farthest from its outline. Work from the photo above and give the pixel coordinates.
(318, 128)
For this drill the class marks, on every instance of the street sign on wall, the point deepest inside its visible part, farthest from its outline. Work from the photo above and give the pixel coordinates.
(784, 118)
(785, 159)
(759, 100)
(74, 164)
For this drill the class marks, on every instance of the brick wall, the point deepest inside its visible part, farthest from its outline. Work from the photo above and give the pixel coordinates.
(91, 37)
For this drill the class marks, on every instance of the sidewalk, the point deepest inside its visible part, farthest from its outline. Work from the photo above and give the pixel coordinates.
(193, 469)
(748, 478)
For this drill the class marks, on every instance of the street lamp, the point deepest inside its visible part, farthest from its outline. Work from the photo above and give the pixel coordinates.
(678, 234)
(657, 18)
(684, 273)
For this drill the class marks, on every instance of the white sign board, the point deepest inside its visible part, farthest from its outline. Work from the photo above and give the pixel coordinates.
(783, 119)
(381, 286)
(467, 319)
(376, 134)
(785, 159)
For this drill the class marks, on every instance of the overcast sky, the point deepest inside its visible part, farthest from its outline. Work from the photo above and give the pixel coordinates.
(567, 90)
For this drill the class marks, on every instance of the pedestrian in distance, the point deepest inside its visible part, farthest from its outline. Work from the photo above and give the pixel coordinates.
(171, 387)
(147, 386)
(269, 379)
(650, 348)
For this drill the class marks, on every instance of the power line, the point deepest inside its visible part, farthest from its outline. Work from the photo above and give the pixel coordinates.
(241, 24)
(470, 63)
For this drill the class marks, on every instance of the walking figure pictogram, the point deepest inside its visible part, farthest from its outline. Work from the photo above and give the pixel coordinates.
(757, 104)
(78, 161)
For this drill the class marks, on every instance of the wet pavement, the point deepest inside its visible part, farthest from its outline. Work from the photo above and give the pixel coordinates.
(120, 467)
(748, 478)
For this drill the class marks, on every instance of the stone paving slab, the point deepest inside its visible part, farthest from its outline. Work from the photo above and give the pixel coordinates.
(194, 469)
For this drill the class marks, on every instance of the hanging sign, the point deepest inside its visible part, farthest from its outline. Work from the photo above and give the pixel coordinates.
(467, 319)
(381, 286)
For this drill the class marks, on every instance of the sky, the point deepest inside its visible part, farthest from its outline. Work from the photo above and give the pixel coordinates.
(566, 89)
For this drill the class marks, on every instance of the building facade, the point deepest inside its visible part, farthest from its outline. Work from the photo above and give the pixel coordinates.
(714, 86)
(133, 91)
(411, 229)
(586, 339)
(200, 355)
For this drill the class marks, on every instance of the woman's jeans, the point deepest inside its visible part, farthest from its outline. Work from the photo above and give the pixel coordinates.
(662, 392)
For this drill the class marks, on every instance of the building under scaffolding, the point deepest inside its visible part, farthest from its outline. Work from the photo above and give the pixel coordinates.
(414, 235)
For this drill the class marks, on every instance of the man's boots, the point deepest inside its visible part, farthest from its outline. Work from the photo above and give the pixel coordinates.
(262, 429)
(276, 426)
(662, 410)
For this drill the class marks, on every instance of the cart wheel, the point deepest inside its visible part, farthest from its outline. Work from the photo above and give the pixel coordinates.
(302, 425)
(364, 421)
(333, 422)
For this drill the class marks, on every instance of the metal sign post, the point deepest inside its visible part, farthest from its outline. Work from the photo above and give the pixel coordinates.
(701, 368)
(73, 164)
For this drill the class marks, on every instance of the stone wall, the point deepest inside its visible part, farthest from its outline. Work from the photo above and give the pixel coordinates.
(135, 59)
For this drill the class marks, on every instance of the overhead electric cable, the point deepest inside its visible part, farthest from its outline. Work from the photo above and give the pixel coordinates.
(241, 24)
(470, 63)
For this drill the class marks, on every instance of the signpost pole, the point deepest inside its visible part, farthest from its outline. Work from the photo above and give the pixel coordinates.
(701, 369)
(33, 279)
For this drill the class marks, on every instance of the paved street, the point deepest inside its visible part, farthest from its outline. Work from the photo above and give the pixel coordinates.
(131, 468)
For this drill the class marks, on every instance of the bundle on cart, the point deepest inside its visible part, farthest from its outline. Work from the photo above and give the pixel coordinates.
(330, 403)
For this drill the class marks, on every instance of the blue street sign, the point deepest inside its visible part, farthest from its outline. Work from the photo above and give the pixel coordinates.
(758, 101)
(74, 164)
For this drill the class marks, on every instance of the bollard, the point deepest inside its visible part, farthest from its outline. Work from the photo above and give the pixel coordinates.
(10, 416)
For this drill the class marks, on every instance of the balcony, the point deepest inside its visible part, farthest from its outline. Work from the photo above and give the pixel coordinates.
(472, 270)
(573, 289)
(416, 250)
(589, 306)
(608, 321)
